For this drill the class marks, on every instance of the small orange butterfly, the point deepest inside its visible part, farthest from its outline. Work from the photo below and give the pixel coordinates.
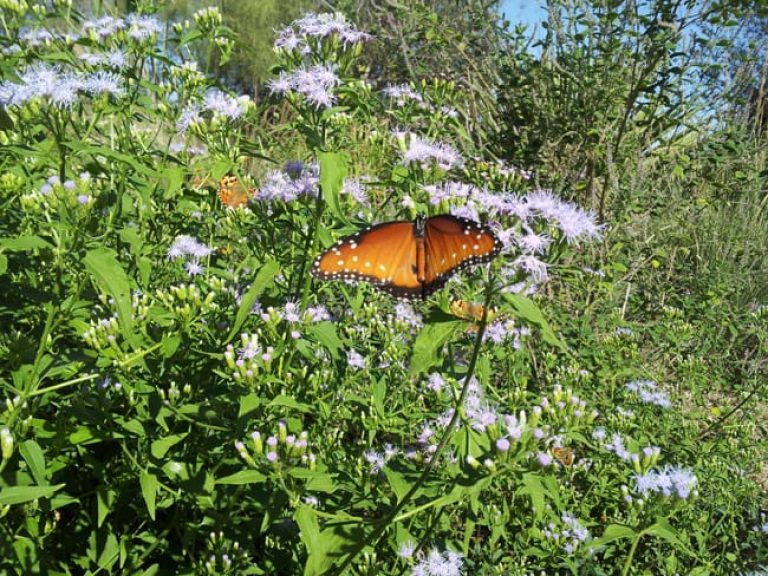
(564, 455)
(470, 310)
(232, 193)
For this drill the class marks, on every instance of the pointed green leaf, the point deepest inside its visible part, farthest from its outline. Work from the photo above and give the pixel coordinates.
(263, 279)
(149, 486)
(526, 309)
(663, 529)
(160, 447)
(33, 456)
(20, 494)
(108, 275)
(23, 243)
(333, 170)
(243, 477)
(428, 343)
(325, 333)
(613, 532)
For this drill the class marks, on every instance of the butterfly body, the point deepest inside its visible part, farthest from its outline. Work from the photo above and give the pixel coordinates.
(408, 259)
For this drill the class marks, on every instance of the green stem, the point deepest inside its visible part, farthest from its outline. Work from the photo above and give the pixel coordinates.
(393, 516)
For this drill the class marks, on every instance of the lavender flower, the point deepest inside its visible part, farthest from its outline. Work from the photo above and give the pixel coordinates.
(448, 191)
(315, 83)
(301, 33)
(222, 104)
(194, 268)
(355, 360)
(649, 393)
(424, 152)
(438, 563)
(318, 313)
(353, 187)
(375, 461)
(402, 94)
(188, 246)
(103, 82)
(670, 481)
(435, 382)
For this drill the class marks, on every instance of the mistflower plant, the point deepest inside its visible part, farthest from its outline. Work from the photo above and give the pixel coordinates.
(180, 392)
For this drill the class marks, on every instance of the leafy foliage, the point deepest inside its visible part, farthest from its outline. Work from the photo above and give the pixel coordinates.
(182, 398)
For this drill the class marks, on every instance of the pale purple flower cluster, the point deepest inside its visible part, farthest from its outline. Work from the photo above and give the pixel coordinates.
(36, 37)
(762, 526)
(670, 481)
(649, 393)
(436, 383)
(424, 152)
(569, 537)
(187, 246)
(405, 314)
(355, 360)
(480, 412)
(61, 89)
(315, 83)
(377, 460)
(218, 103)
(289, 186)
(449, 190)
(113, 59)
(402, 94)
(436, 563)
(299, 35)
(499, 331)
(353, 187)
(139, 27)
(318, 313)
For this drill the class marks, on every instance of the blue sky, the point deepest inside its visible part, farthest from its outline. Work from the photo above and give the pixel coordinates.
(523, 11)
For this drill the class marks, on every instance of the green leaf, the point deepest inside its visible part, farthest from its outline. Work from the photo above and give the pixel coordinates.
(140, 167)
(613, 532)
(429, 341)
(397, 482)
(325, 333)
(243, 477)
(160, 447)
(526, 309)
(289, 402)
(534, 488)
(104, 500)
(663, 529)
(6, 122)
(326, 547)
(174, 177)
(3, 264)
(263, 279)
(33, 456)
(24, 243)
(21, 494)
(109, 276)
(249, 403)
(170, 344)
(333, 170)
(149, 485)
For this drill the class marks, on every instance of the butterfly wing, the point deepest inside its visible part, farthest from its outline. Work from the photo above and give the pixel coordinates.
(384, 255)
(452, 244)
(232, 193)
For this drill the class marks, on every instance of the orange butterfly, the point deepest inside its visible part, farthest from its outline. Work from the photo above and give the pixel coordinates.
(409, 259)
(470, 310)
(564, 455)
(232, 193)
